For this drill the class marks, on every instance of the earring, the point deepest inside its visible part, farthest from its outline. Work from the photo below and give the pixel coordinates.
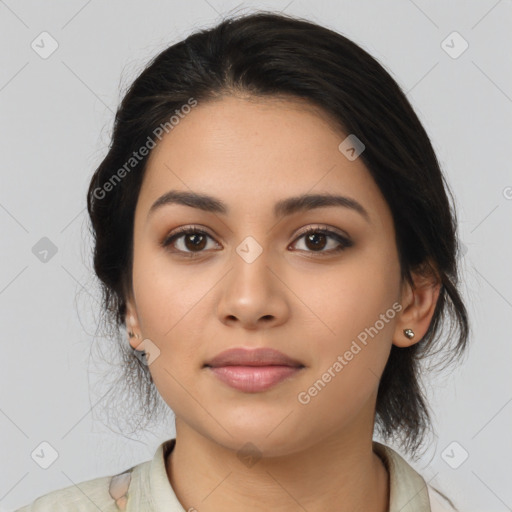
(409, 333)
(138, 353)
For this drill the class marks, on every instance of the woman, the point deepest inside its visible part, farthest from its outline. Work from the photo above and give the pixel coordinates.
(273, 230)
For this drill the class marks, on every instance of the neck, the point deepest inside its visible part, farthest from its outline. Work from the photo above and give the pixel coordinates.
(335, 474)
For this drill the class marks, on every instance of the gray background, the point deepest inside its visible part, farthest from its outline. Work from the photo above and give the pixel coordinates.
(56, 117)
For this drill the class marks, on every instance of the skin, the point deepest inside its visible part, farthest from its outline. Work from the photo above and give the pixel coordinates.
(308, 304)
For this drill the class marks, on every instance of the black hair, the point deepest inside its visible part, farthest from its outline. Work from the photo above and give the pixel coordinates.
(265, 54)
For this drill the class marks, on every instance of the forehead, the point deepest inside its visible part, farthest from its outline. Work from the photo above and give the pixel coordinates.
(254, 152)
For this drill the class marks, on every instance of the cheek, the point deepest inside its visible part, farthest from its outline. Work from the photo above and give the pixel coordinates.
(357, 307)
(347, 365)
(346, 299)
(169, 306)
(166, 292)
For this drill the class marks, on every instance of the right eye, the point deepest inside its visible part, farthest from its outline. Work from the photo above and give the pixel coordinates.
(192, 240)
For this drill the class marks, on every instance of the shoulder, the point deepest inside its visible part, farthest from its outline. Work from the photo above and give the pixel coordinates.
(136, 489)
(107, 493)
(439, 502)
(409, 491)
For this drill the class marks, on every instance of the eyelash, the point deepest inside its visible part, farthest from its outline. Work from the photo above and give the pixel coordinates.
(343, 241)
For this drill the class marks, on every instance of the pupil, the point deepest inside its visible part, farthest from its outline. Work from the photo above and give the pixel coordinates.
(197, 244)
(312, 236)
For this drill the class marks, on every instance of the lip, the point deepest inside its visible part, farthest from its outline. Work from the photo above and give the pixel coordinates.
(253, 379)
(253, 371)
(252, 357)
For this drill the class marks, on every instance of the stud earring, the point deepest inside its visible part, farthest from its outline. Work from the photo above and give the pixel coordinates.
(409, 333)
(138, 353)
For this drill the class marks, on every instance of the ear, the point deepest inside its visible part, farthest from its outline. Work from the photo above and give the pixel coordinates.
(132, 323)
(419, 303)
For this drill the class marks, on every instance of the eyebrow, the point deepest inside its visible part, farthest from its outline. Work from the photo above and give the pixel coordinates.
(282, 208)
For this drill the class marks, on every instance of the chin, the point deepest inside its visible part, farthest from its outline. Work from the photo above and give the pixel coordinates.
(254, 440)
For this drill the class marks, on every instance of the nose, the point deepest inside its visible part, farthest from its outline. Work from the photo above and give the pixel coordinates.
(253, 295)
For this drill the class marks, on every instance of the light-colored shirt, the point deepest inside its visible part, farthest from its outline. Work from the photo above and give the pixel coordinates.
(145, 487)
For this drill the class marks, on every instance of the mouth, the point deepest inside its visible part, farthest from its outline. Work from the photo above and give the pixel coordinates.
(253, 371)
(253, 379)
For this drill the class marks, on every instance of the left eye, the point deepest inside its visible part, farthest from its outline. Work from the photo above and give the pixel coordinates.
(194, 241)
(318, 237)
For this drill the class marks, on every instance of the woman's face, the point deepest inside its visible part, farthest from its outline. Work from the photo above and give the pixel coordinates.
(255, 280)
